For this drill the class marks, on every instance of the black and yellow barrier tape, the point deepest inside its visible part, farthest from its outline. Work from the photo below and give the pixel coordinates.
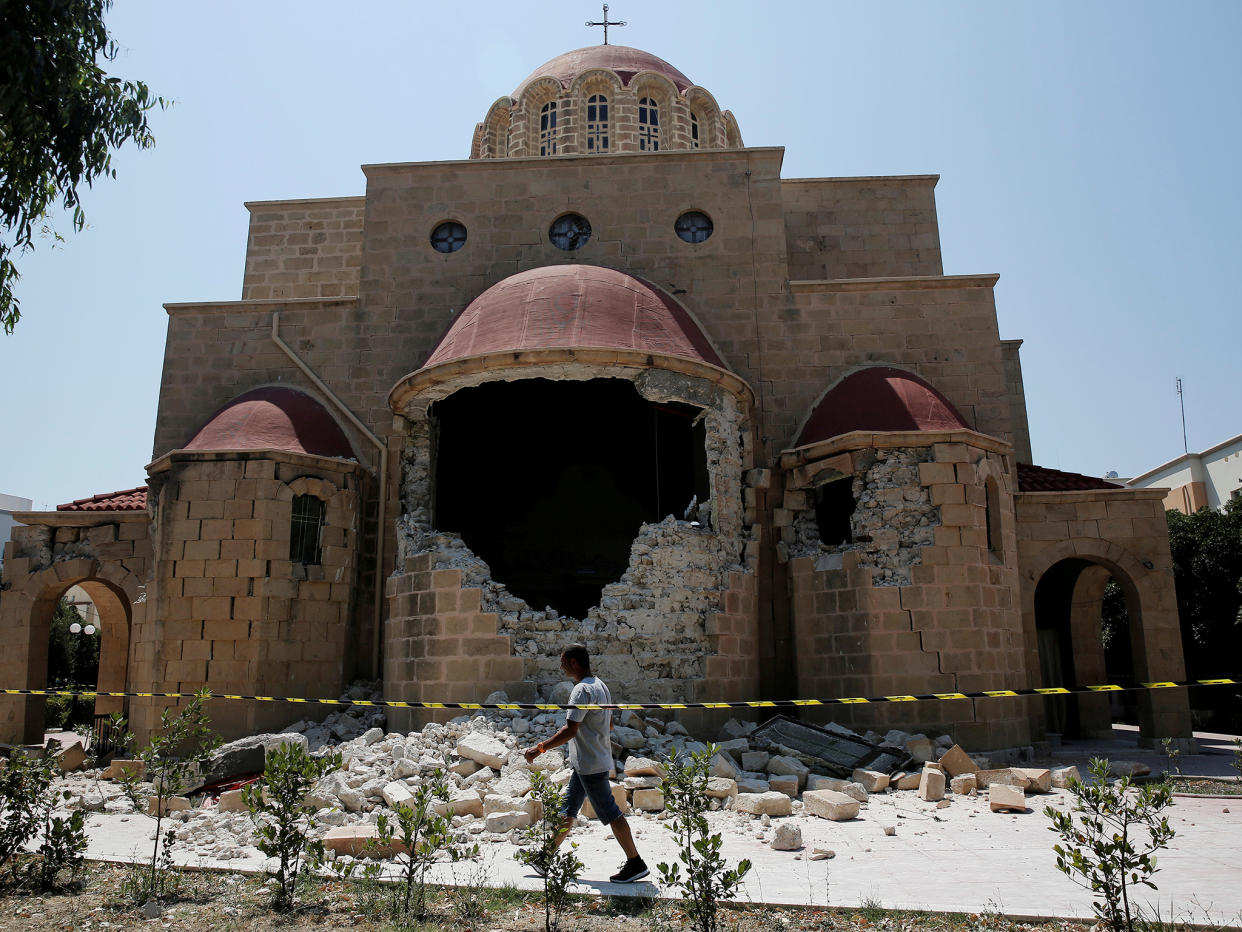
(554, 707)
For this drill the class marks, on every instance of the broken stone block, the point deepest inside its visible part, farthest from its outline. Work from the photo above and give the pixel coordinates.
(514, 783)
(721, 765)
(483, 749)
(769, 803)
(231, 801)
(498, 802)
(1003, 797)
(751, 784)
(921, 748)
(119, 768)
(629, 738)
(171, 804)
(547, 761)
(360, 841)
(721, 787)
(848, 787)
(755, 760)
(956, 762)
(1062, 776)
(822, 854)
(371, 736)
(831, 805)
(787, 837)
(895, 738)
(397, 794)
(734, 748)
(1006, 776)
(1127, 768)
(71, 757)
(462, 803)
(732, 729)
(906, 781)
(463, 768)
(1037, 779)
(963, 785)
(931, 785)
(785, 766)
(501, 822)
(649, 800)
(783, 784)
(643, 767)
(872, 780)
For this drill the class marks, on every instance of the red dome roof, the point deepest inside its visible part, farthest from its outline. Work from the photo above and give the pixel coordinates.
(880, 398)
(573, 306)
(622, 59)
(273, 419)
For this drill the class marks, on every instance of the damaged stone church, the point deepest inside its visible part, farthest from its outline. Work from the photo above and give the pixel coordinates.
(611, 379)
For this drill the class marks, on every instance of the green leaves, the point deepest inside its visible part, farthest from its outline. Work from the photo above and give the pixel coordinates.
(1112, 842)
(61, 116)
(560, 868)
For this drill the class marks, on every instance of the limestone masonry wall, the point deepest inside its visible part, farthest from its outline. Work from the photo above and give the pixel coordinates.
(303, 249)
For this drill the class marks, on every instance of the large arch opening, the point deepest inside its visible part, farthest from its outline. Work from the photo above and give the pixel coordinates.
(97, 661)
(1082, 627)
(549, 481)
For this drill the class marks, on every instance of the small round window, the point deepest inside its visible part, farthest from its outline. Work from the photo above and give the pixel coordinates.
(694, 226)
(449, 236)
(570, 231)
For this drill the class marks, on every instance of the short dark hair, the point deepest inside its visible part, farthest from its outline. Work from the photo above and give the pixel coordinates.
(578, 654)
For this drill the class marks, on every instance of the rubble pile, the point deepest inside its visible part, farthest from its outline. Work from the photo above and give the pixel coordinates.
(752, 779)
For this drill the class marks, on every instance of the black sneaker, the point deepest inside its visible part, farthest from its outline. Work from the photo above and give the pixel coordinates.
(633, 869)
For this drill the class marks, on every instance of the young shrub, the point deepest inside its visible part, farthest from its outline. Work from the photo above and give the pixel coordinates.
(424, 834)
(171, 760)
(559, 869)
(1236, 763)
(1112, 843)
(29, 804)
(1174, 756)
(284, 823)
(707, 878)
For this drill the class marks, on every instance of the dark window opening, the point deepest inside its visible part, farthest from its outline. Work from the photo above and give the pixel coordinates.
(306, 530)
(548, 482)
(834, 506)
(648, 125)
(694, 130)
(597, 123)
(992, 514)
(547, 129)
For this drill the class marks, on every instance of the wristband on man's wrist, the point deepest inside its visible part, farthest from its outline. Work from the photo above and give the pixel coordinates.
(540, 748)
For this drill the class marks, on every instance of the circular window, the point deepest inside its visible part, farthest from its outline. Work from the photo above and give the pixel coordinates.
(449, 236)
(570, 231)
(694, 226)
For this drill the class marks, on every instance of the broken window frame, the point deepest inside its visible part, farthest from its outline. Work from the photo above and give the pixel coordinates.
(306, 521)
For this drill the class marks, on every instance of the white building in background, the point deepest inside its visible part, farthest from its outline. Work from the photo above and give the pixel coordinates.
(1198, 480)
(8, 505)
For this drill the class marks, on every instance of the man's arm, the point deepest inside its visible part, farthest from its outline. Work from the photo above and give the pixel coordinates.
(564, 736)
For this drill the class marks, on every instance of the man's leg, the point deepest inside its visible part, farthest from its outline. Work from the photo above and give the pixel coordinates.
(621, 831)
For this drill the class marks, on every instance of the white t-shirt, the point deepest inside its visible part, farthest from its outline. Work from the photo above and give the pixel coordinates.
(590, 751)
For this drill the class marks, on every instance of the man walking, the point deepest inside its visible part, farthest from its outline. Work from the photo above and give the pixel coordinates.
(588, 734)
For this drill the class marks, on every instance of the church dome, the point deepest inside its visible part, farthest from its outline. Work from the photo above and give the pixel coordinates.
(603, 100)
(573, 306)
(624, 61)
(880, 398)
(273, 419)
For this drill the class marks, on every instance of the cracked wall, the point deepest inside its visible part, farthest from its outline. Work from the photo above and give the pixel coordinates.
(679, 616)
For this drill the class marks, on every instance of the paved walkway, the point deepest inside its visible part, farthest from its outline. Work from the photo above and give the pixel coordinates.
(962, 858)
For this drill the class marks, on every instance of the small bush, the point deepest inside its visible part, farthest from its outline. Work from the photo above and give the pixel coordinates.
(285, 824)
(1104, 851)
(707, 878)
(29, 805)
(559, 868)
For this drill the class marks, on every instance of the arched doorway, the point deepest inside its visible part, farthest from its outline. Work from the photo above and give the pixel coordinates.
(1078, 647)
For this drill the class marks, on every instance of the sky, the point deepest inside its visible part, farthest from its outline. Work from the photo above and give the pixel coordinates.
(1088, 153)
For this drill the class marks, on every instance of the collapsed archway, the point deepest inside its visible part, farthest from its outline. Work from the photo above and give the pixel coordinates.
(549, 482)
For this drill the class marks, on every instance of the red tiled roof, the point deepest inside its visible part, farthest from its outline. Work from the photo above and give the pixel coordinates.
(622, 59)
(125, 500)
(273, 419)
(573, 306)
(880, 398)
(1042, 479)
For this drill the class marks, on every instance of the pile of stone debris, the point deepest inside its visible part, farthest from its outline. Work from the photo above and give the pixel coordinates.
(750, 775)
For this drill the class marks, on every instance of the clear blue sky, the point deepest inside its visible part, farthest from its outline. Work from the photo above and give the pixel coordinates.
(1088, 152)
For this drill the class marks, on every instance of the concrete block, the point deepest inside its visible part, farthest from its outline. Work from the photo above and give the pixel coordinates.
(1003, 797)
(831, 805)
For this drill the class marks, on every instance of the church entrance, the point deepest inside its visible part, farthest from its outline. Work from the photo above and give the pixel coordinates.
(550, 481)
(1082, 626)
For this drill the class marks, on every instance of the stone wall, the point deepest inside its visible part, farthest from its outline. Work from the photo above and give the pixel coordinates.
(303, 249)
(861, 227)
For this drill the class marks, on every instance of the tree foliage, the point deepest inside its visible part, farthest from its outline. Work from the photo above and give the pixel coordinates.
(61, 118)
(1207, 565)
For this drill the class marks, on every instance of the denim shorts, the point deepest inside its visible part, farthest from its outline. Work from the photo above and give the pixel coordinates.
(596, 787)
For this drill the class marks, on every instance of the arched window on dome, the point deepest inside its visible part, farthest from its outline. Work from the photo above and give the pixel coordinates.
(597, 124)
(547, 128)
(694, 130)
(648, 125)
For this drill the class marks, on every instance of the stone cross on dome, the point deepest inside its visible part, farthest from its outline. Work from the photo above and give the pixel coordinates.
(606, 23)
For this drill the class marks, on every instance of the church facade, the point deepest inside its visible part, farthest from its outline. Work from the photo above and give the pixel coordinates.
(611, 379)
